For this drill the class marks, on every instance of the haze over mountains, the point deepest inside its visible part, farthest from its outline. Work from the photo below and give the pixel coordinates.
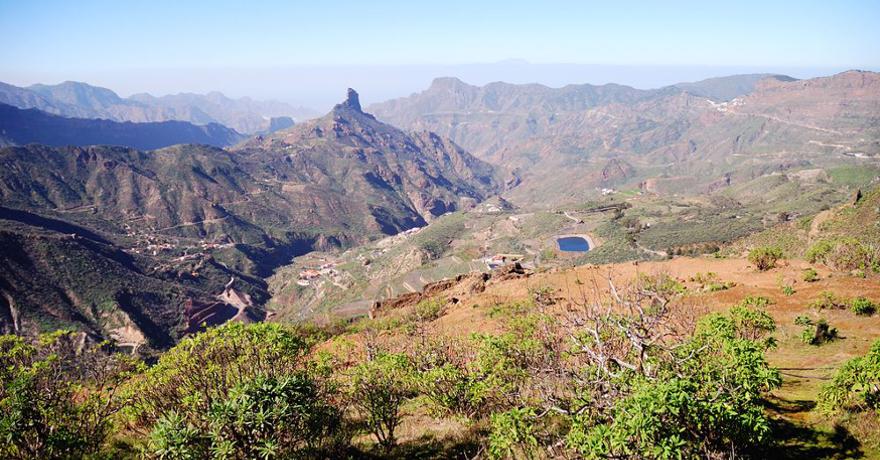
(80, 100)
(26, 126)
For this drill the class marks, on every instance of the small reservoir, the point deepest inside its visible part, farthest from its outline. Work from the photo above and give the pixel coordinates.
(573, 244)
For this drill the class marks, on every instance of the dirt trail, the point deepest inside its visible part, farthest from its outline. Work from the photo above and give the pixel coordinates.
(815, 226)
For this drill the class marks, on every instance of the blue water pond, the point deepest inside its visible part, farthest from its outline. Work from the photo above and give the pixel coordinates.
(573, 244)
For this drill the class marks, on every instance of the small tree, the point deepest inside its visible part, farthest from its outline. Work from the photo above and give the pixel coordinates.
(765, 257)
(378, 388)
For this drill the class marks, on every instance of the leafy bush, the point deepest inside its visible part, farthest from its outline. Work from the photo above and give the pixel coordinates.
(378, 388)
(511, 434)
(262, 418)
(862, 306)
(843, 254)
(427, 310)
(811, 275)
(856, 385)
(703, 399)
(751, 323)
(765, 257)
(802, 320)
(788, 290)
(661, 283)
(57, 396)
(755, 301)
(485, 374)
(819, 251)
(827, 300)
(205, 367)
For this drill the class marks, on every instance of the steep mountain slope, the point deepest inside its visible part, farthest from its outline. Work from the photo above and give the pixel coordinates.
(415, 177)
(26, 126)
(80, 100)
(165, 230)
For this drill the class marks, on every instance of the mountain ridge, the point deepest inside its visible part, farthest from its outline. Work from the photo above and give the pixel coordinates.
(81, 100)
(26, 126)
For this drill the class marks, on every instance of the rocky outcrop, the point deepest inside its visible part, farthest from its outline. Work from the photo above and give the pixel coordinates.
(451, 289)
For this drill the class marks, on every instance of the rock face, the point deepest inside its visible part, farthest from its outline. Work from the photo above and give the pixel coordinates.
(352, 101)
(450, 289)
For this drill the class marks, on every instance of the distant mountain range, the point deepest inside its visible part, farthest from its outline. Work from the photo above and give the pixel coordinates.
(31, 126)
(167, 229)
(688, 137)
(485, 119)
(80, 100)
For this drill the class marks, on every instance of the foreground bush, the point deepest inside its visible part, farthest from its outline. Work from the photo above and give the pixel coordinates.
(205, 367)
(856, 385)
(765, 257)
(701, 397)
(262, 418)
(378, 388)
(57, 396)
(235, 391)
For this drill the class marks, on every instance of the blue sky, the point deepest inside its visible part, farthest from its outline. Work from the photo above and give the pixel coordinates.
(115, 41)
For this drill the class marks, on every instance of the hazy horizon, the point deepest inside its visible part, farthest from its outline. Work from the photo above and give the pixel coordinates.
(318, 88)
(307, 54)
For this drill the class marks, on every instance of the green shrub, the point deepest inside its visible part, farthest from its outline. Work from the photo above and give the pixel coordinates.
(755, 301)
(661, 283)
(378, 388)
(764, 258)
(511, 434)
(827, 300)
(705, 400)
(428, 310)
(788, 290)
(205, 367)
(752, 323)
(862, 306)
(811, 275)
(802, 320)
(262, 418)
(843, 254)
(56, 396)
(856, 385)
(819, 251)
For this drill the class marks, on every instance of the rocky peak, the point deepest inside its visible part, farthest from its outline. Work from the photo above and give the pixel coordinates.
(352, 101)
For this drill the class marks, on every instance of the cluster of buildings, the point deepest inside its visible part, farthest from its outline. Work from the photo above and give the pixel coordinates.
(306, 276)
(499, 260)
